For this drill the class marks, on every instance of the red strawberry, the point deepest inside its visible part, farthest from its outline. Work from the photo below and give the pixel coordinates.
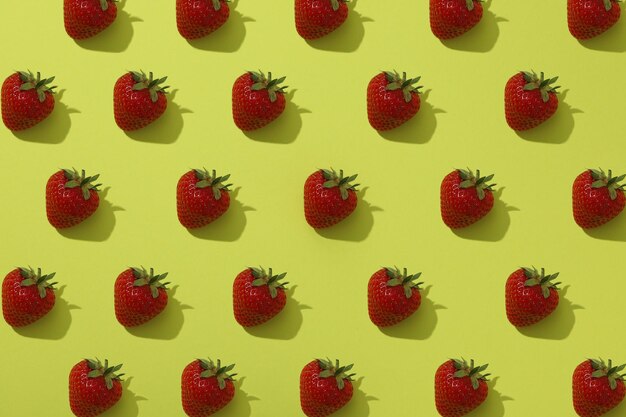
(206, 387)
(197, 18)
(26, 100)
(589, 18)
(391, 100)
(139, 296)
(317, 18)
(87, 18)
(138, 100)
(597, 388)
(94, 388)
(452, 18)
(71, 198)
(324, 387)
(529, 100)
(596, 198)
(257, 100)
(27, 296)
(201, 198)
(530, 296)
(465, 198)
(258, 296)
(459, 387)
(392, 296)
(328, 198)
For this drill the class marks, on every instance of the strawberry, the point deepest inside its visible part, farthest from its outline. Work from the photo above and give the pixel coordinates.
(465, 198)
(459, 387)
(27, 296)
(94, 387)
(258, 296)
(596, 198)
(257, 100)
(530, 296)
(328, 198)
(26, 100)
(71, 198)
(392, 296)
(589, 18)
(317, 18)
(201, 198)
(324, 387)
(597, 387)
(196, 19)
(529, 100)
(139, 296)
(206, 387)
(391, 100)
(452, 18)
(87, 18)
(138, 100)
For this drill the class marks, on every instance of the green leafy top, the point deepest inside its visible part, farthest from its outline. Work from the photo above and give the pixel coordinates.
(272, 281)
(106, 371)
(475, 373)
(153, 85)
(334, 370)
(401, 278)
(104, 4)
(334, 180)
(143, 277)
(470, 4)
(335, 3)
(402, 83)
(544, 85)
(611, 183)
(40, 85)
(471, 180)
(600, 369)
(534, 277)
(74, 179)
(35, 278)
(608, 4)
(212, 180)
(210, 369)
(267, 83)
(217, 4)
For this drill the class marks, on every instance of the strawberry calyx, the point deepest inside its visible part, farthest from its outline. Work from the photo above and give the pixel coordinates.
(153, 85)
(600, 370)
(402, 278)
(272, 281)
(210, 369)
(533, 82)
(464, 369)
(335, 3)
(267, 83)
(334, 180)
(608, 4)
(212, 180)
(600, 179)
(534, 277)
(35, 278)
(334, 370)
(106, 371)
(74, 179)
(143, 277)
(30, 82)
(471, 180)
(470, 4)
(104, 4)
(395, 82)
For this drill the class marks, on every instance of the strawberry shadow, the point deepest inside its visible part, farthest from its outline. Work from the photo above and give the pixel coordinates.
(421, 324)
(286, 324)
(618, 411)
(240, 404)
(230, 226)
(229, 37)
(610, 41)
(116, 37)
(54, 128)
(55, 324)
(614, 230)
(347, 37)
(559, 324)
(127, 405)
(482, 37)
(359, 403)
(97, 227)
(167, 128)
(493, 405)
(420, 128)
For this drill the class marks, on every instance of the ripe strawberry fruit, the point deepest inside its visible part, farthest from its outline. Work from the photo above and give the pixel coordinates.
(201, 198)
(328, 198)
(26, 100)
(138, 100)
(94, 387)
(257, 100)
(529, 100)
(465, 198)
(597, 198)
(27, 296)
(196, 19)
(258, 296)
(597, 387)
(139, 296)
(452, 18)
(459, 387)
(530, 296)
(71, 197)
(206, 387)
(392, 296)
(324, 387)
(86, 18)
(392, 100)
(589, 18)
(317, 18)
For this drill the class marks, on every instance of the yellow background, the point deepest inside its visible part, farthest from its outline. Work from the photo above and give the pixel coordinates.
(397, 222)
